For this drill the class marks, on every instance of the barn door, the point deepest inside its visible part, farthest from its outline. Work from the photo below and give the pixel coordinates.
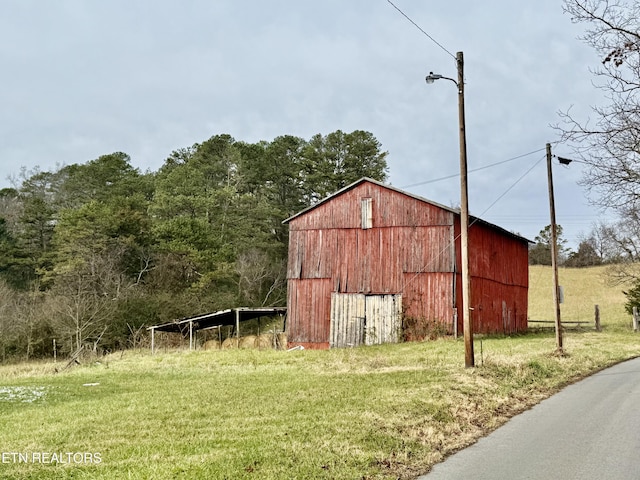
(347, 320)
(382, 319)
(358, 319)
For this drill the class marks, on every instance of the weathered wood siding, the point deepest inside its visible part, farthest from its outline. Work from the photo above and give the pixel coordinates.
(374, 240)
(358, 319)
(407, 250)
(430, 297)
(310, 300)
(369, 261)
(383, 319)
(390, 209)
(347, 320)
(499, 267)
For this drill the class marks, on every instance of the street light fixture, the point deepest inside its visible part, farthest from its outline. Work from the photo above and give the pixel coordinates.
(469, 359)
(432, 77)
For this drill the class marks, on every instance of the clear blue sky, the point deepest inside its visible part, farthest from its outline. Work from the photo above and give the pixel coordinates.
(82, 79)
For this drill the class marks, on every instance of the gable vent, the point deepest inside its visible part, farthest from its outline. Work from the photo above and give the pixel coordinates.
(366, 205)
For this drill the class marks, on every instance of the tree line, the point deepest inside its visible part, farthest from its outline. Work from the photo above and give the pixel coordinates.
(92, 253)
(605, 244)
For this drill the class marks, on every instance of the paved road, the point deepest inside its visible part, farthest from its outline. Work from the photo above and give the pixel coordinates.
(590, 430)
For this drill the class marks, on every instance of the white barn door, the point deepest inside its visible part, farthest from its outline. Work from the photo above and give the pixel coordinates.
(383, 319)
(358, 319)
(347, 320)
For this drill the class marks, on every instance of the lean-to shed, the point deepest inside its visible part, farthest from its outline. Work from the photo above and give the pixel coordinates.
(375, 264)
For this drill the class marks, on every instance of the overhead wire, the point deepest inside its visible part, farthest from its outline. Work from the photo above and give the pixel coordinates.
(420, 28)
(474, 169)
(422, 270)
(510, 188)
(476, 219)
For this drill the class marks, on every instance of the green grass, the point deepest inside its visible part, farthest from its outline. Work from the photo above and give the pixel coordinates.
(378, 412)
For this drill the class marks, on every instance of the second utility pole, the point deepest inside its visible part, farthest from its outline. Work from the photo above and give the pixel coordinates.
(554, 255)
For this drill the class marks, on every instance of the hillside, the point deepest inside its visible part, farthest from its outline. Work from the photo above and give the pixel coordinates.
(583, 289)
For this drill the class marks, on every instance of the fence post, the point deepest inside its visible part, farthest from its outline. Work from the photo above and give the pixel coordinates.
(597, 315)
(635, 319)
(455, 322)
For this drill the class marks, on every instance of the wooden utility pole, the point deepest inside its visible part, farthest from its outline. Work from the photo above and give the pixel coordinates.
(467, 323)
(554, 255)
(469, 359)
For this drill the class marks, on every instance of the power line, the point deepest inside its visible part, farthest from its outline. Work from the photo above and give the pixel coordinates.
(509, 189)
(453, 175)
(476, 219)
(474, 169)
(418, 27)
(507, 160)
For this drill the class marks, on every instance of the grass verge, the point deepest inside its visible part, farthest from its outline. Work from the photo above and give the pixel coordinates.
(376, 412)
(380, 412)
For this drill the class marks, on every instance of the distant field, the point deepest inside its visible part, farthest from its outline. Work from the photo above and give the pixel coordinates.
(379, 412)
(583, 289)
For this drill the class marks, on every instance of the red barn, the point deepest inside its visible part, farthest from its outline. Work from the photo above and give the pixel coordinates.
(374, 264)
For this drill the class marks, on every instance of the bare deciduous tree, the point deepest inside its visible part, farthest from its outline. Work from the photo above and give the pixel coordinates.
(7, 311)
(623, 240)
(609, 143)
(603, 240)
(259, 277)
(79, 312)
(84, 295)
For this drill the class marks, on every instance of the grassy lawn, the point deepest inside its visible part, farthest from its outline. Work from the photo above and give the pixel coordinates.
(377, 412)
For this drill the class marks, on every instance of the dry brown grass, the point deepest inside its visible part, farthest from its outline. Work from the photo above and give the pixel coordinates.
(583, 289)
(282, 341)
(264, 340)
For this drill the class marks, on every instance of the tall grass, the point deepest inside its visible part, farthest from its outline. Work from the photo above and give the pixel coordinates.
(378, 412)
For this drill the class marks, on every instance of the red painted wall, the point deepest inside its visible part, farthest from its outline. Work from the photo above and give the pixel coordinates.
(412, 249)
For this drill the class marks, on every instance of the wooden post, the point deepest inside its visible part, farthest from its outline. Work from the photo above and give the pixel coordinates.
(55, 351)
(238, 324)
(635, 319)
(554, 254)
(467, 321)
(597, 315)
(190, 335)
(455, 323)
(153, 340)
